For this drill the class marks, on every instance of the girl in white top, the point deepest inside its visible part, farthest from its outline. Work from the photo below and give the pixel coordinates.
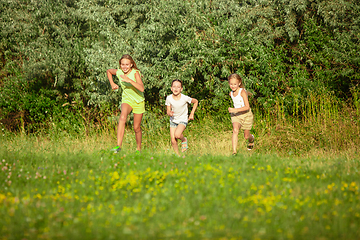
(177, 109)
(241, 115)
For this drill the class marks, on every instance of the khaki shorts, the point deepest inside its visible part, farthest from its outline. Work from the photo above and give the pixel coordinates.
(137, 108)
(246, 120)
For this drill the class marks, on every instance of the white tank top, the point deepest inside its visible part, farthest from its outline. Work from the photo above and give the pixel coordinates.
(238, 100)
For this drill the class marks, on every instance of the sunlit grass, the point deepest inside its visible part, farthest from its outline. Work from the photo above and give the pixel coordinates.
(301, 181)
(128, 195)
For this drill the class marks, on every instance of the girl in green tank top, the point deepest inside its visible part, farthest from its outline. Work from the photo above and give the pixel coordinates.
(132, 97)
(129, 91)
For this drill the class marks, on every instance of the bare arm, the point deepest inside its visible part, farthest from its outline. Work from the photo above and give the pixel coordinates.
(195, 102)
(244, 108)
(110, 73)
(168, 111)
(138, 84)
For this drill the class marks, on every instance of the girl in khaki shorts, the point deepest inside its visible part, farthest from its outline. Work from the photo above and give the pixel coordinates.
(241, 115)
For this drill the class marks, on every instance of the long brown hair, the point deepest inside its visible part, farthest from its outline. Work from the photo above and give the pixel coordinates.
(127, 56)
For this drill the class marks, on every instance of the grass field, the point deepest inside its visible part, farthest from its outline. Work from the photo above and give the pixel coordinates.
(71, 187)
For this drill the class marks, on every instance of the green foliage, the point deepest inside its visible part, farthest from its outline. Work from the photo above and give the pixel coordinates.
(284, 49)
(203, 42)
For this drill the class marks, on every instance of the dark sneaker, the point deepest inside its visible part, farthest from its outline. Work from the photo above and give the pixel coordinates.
(116, 149)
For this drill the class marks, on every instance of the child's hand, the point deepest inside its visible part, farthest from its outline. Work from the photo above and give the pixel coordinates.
(170, 113)
(125, 78)
(231, 110)
(191, 116)
(114, 86)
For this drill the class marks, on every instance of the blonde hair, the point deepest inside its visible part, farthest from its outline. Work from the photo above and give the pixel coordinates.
(237, 77)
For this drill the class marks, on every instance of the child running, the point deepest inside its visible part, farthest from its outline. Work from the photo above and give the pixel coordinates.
(177, 109)
(132, 97)
(241, 115)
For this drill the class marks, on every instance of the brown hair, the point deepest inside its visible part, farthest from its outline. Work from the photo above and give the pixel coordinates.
(127, 56)
(177, 80)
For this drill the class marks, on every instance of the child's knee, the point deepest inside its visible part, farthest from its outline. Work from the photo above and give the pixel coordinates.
(173, 141)
(177, 135)
(137, 129)
(122, 118)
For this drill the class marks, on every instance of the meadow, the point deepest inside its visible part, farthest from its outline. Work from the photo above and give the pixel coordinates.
(301, 181)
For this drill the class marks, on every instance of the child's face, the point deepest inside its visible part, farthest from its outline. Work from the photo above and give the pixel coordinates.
(125, 65)
(176, 88)
(234, 84)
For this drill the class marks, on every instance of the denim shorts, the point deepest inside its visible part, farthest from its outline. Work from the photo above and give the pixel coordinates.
(174, 125)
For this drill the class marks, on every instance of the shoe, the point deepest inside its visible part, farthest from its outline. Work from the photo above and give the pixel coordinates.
(251, 145)
(184, 146)
(116, 149)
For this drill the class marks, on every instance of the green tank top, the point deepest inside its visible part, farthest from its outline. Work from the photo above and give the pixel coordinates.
(129, 91)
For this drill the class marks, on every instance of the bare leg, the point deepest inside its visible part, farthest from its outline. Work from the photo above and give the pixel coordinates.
(179, 134)
(236, 128)
(248, 136)
(175, 134)
(137, 130)
(174, 140)
(125, 110)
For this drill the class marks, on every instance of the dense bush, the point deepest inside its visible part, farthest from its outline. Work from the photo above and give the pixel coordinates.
(284, 50)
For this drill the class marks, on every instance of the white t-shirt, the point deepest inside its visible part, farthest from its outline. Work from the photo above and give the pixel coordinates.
(238, 100)
(179, 107)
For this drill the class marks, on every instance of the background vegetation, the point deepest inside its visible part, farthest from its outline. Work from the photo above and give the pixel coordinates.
(54, 56)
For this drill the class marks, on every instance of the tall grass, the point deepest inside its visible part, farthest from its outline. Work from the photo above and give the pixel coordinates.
(319, 125)
(325, 125)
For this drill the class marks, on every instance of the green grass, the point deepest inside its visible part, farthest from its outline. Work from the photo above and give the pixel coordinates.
(301, 181)
(76, 189)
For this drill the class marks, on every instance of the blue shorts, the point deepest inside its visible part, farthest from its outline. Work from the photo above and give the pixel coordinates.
(174, 125)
